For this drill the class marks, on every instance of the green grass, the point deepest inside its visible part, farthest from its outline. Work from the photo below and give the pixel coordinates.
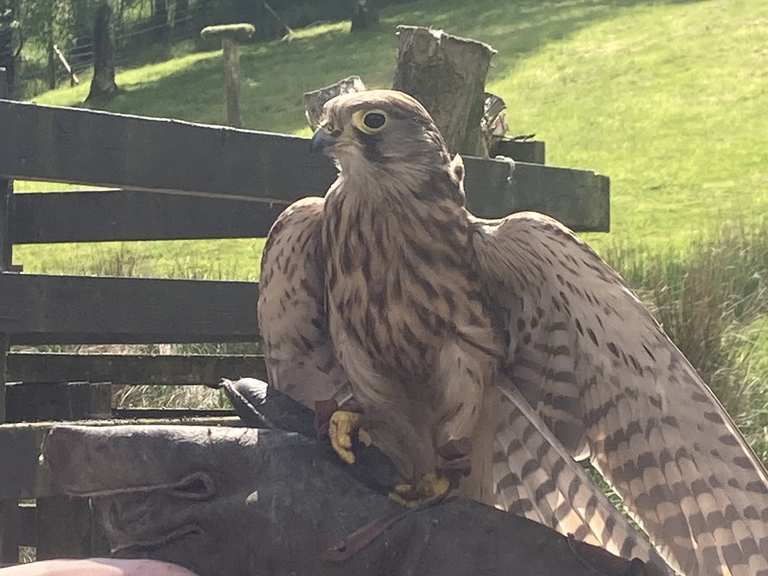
(712, 300)
(237, 259)
(667, 98)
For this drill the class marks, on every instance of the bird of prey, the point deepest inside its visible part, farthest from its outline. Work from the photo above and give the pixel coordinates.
(506, 349)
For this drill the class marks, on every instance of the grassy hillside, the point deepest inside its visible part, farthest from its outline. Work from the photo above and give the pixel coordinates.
(667, 98)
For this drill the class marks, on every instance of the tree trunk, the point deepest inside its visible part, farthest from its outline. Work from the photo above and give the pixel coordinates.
(365, 15)
(103, 84)
(160, 18)
(51, 68)
(447, 75)
(182, 16)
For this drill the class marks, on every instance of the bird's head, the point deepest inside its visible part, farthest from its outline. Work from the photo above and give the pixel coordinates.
(381, 132)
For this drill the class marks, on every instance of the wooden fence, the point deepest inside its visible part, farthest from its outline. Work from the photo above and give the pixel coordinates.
(167, 180)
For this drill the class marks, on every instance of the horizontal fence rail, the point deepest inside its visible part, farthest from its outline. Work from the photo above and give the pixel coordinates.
(131, 152)
(133, 369)
(113, 215)
(80, 310)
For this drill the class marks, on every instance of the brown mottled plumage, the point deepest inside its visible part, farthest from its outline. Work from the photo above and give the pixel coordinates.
(511, 333)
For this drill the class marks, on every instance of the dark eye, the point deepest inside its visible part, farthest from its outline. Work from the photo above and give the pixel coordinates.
(374, 120)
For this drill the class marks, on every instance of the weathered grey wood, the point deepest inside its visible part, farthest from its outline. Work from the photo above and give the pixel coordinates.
(531, 151)
(231, 35)
(6, 257)
(578, 198)
(591, 214)
(238, 32)
(6, 214)
(73, 79)
(89, 147)
(493, 124)
(64, 528)
(99, 544)
(4, 346)
(27, 524)
(166, 370)
(59, 401)
(135, 215)
(170, 413)
(6, 221)
(232, 81)
(20, 444)
(314, 100)
(70, 309)
(447, 75)
(10, 530)
(98, 148)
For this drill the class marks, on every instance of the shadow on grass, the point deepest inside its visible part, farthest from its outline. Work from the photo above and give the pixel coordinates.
(276, 74)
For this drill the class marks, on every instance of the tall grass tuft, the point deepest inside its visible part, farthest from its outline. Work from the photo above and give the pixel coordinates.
(712, 299)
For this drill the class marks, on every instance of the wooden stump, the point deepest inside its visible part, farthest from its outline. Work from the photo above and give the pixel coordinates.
(493, 124)
(447, 75)
(314, 100)
(38, 402)
(103, 84)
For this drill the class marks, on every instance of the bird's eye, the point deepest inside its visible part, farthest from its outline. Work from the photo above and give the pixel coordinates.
(374, 120)
(370, 122)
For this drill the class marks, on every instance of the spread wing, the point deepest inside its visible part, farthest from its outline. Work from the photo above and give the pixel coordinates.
(596, 370)
(299, 356)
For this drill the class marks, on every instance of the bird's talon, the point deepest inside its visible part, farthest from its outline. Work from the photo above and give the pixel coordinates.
(364, 437)
(430, 487)
(403, 488)
(342, 426)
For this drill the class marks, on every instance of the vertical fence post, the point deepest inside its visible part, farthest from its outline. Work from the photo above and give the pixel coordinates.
(230, 35)
(10, 526)
(9, 509)
(6, 190)
(232, 81)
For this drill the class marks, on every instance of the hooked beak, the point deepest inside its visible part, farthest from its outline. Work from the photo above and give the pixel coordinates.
(322, 140)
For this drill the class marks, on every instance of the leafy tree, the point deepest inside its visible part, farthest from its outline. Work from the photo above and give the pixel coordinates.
(45, 23)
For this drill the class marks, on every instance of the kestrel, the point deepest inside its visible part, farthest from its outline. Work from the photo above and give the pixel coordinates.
(504, 350)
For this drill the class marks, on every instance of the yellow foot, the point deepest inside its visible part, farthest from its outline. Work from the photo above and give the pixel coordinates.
(342, 426)
(430, 487)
